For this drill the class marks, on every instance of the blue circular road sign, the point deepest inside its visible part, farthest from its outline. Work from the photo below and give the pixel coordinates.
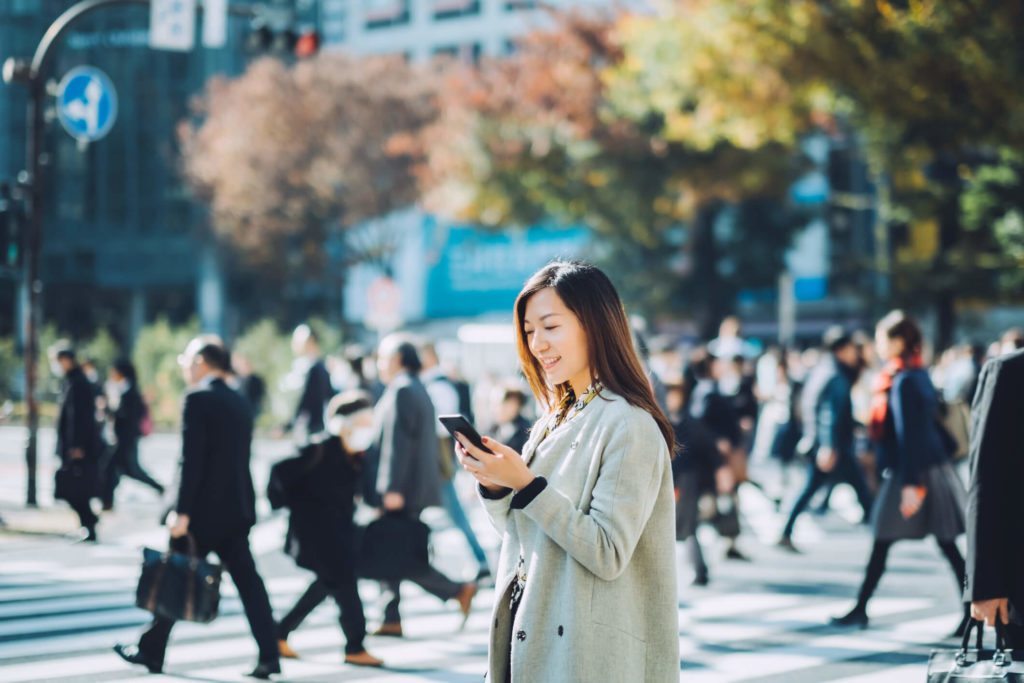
(86, 103)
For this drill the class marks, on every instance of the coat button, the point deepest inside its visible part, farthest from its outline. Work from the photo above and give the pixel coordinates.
(560, 630)
(521, 636)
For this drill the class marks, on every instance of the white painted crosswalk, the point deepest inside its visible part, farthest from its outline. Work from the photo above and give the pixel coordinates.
(62, 607)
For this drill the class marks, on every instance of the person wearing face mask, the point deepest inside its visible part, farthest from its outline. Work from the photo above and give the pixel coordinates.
(126, 409)
(587, 578)
(319, 489)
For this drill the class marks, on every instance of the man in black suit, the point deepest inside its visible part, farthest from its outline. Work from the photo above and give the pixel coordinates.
(995, 522)
(216, 501)
(79, 442)
(316, 389)
(409, 474)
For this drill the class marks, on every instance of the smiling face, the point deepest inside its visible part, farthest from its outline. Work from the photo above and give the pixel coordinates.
(557, 340)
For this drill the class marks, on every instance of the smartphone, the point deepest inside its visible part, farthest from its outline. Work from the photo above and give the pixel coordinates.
(458, 423)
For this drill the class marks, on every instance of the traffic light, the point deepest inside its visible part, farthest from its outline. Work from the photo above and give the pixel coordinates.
(273, 31)
(10, 229)
(308, 44)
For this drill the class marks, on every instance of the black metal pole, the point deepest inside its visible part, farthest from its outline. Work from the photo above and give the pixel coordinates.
(34, 78)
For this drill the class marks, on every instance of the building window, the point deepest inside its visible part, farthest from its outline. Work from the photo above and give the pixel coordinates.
(381, 13)
(469, 53)
(333, 21)
(451, 9)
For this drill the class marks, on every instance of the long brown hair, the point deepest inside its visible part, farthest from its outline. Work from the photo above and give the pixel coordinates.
(591, 296)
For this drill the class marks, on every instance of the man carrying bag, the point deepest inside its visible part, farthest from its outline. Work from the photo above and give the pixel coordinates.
(216, 501)
(995, 520)
(79, 443)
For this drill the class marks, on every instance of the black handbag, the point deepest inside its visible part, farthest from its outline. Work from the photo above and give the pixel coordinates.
(392, 548)
(76, 480)
(179, 586)
(965, 665)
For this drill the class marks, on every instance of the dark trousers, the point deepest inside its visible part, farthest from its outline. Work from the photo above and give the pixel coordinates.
(237, 559)
(847, 470)
(86, 517)
(1015, 638)
(124, 462)
(345, 591)
(427, 578)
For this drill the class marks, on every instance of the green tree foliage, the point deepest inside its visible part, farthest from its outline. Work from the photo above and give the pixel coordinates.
(569, 128)
(994, 201)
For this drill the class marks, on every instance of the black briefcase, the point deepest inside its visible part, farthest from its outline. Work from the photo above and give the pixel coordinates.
(392, 548)
(179, 586)
(965, 665)
(76, 480)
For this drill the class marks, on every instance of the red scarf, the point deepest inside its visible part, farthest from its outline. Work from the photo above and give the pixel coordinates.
(880, 392)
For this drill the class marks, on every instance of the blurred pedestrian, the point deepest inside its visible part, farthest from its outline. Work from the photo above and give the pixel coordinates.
(316, 384)
(445, 398)
(79, 443)
(250, 384)
(921, 494)
(510, 427)
(828, 440)
(409, 476)
(717, 414)
(216, 501)
(586, 511)
(995, 524)
(697, 471)
(319, 487)
(126, 410)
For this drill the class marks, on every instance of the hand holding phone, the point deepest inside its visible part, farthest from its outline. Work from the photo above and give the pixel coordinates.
(458, 424)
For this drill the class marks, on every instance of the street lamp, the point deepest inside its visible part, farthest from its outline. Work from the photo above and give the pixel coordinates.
(32, 74)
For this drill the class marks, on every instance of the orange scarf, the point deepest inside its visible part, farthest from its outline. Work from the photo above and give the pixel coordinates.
(880, 392)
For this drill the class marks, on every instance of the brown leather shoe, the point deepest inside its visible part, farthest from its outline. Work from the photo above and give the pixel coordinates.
(364, 658)
(465, 600)
(393, 630)
(286, 651)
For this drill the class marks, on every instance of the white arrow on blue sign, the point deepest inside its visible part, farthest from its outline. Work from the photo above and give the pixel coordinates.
(86, 103)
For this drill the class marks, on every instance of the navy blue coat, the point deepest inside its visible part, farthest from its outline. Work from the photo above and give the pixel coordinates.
(912, 441)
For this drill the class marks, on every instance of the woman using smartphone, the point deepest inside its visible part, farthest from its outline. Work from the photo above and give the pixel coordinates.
(587, 579)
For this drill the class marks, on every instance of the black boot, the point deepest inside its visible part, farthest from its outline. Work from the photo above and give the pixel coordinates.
(857, 617)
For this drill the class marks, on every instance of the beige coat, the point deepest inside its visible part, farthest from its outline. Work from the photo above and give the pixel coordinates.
(600, 603)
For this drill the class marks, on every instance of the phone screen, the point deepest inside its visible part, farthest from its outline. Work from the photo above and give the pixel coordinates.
(459, 424)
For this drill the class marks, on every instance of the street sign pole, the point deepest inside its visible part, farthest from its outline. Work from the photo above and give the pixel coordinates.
(33, 76)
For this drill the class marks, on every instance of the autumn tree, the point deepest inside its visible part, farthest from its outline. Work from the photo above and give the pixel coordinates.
(289, 157)
(549, 133)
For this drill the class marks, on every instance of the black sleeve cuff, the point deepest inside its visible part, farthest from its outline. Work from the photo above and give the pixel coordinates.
(493, 495)
(527, 494)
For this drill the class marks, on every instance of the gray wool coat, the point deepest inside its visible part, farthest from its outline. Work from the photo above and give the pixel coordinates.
(409, 449)
(600, 604)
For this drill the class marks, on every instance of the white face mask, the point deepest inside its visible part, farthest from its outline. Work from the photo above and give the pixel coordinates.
(361, 439)
(56, 368)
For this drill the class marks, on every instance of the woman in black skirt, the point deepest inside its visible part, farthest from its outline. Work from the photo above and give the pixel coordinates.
(921, 494)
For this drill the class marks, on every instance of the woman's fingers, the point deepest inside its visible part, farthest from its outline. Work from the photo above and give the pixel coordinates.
(499, 448)
(473, 451)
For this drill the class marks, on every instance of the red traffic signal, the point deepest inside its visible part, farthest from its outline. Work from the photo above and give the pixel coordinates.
(307, 45)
